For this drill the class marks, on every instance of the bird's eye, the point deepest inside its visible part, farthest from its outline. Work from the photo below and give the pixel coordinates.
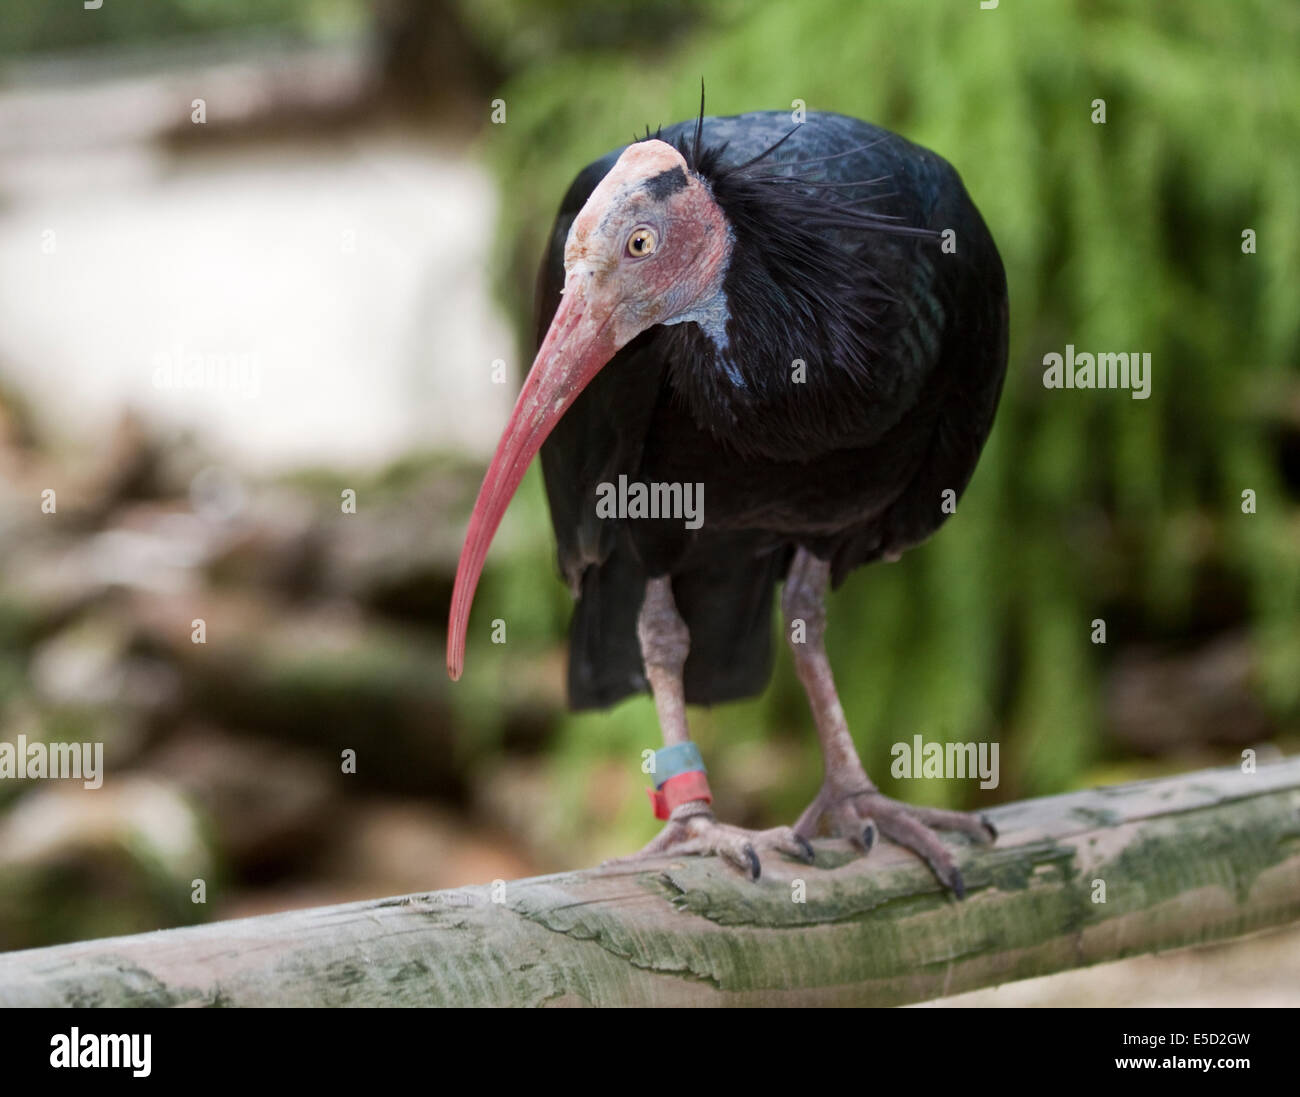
(642, 242)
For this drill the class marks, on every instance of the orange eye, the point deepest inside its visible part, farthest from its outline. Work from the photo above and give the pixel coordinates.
(642, 242)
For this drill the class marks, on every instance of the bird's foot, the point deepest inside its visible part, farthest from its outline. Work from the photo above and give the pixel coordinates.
(858, 811)
(692, 829)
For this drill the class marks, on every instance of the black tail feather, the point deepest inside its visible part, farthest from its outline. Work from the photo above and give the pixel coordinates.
(727, 608)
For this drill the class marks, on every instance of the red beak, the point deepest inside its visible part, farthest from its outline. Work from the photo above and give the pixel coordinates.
(577, 345)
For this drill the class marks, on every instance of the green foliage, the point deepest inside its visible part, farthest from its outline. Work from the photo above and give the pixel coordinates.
(38, 26)
(1122, 236)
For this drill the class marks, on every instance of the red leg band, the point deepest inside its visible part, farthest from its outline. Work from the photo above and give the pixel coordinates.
(693, 785)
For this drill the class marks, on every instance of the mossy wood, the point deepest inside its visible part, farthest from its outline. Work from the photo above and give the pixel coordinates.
(1182, 861)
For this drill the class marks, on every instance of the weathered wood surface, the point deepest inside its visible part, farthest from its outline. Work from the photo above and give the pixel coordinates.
(1184, 860)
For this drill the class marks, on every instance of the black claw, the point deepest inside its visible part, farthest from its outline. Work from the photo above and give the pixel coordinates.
(993, 831)
(809, 854)
(950, 879)
(755, 868)
(868, 838)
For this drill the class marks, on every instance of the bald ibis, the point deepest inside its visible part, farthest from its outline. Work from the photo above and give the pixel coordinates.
(807, 325)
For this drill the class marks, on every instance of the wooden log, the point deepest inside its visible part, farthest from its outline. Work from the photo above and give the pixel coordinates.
(1073, 880)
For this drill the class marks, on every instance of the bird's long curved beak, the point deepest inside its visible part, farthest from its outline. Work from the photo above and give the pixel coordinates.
(578, 344)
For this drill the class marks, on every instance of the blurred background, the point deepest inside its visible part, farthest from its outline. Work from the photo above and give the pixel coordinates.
(257, 256)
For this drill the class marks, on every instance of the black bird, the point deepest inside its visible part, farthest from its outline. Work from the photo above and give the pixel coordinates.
(806, 323)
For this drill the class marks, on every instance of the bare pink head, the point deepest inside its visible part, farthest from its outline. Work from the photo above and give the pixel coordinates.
(649, 247)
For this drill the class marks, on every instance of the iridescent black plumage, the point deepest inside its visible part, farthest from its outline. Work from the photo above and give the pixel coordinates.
(837, 263)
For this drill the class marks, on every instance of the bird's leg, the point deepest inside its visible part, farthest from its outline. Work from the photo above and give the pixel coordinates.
(848, 800)
(691, 826)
